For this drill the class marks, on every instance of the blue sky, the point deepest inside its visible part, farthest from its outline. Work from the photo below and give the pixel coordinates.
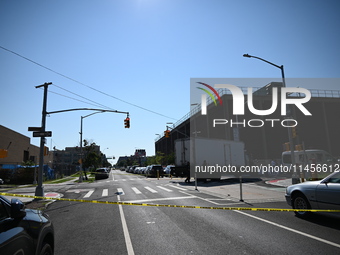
(132, 55)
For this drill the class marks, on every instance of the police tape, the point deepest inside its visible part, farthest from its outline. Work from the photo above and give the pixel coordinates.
(172, 206)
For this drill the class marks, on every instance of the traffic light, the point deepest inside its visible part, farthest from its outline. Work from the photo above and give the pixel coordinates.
(298, 147)
(294, 132)
(286, 147)
(167, 133)
(127, 122)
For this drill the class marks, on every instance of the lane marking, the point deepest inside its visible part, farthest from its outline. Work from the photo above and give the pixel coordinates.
(291, 229)
(120, 191)
(168, 190)
(157, 199)
(204, 199)
(128, 242)
(88, 194)
(136, 190)
(105, 193)
(151, 190)
(173, 186)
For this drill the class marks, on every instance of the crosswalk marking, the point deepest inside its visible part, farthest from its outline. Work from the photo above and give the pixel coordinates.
(136, 190)
(120, 191)
(178, 187)
(124, 180)
(105, 193)
(151, 190)
(88, 194)
(168, 190)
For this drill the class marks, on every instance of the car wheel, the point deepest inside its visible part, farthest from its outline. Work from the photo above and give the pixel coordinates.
(46, 249)
(301, 202)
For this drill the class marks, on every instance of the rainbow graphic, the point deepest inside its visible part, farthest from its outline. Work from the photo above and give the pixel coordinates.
(210, 94)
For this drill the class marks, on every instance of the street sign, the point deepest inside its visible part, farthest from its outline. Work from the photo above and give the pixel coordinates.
(34, 128)
(42, 134)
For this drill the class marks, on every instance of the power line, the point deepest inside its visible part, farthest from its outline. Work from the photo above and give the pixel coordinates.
(49, 91)
(101, 105)
(76, 81)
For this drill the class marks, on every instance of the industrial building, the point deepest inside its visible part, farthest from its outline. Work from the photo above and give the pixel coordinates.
(265, 137)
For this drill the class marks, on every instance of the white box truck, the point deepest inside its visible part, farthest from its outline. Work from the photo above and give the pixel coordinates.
(210, 158)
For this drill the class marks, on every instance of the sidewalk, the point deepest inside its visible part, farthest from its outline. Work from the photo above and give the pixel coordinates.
(250, 191)
(30, 199)
(29, 190)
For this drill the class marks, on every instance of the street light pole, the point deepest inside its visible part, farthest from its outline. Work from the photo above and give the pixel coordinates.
(81, 143)
(290, 132)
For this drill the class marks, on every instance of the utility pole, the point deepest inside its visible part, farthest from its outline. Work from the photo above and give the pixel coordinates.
(39, 191)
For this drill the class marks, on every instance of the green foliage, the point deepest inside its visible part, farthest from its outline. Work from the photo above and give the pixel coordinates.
(28, 163)
(92, 157)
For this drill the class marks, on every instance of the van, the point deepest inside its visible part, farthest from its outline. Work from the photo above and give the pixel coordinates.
(307, 157)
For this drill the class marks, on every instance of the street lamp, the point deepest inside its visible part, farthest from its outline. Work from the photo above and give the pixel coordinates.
(290, 134)
(81, 144)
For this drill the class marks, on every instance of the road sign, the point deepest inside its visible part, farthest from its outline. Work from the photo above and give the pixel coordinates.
(34, 128)
(42, 134)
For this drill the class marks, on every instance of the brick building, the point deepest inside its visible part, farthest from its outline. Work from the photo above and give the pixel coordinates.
(19, 148)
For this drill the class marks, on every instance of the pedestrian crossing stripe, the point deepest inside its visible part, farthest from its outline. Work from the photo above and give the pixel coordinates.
(120, 191)
(173, 206)
(136, 190)
(168, 190)
(105, 193)
(151, 190)
(88, 194)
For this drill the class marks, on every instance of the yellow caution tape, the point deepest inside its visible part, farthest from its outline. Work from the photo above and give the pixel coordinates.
(177, 206)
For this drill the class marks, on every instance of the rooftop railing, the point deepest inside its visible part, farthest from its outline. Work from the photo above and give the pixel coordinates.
(314, 92)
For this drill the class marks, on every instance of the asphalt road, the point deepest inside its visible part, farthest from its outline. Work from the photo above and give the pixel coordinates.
(90, 228)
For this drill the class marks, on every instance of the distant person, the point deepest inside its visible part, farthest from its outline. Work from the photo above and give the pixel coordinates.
(187, 173)
(273, 163)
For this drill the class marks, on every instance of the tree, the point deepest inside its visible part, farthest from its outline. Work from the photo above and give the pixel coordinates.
(92, 156)
(160, 158)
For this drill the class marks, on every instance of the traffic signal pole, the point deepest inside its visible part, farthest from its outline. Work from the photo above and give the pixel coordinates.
(39, 190)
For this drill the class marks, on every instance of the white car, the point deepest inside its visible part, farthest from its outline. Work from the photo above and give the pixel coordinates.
(167, 170)
(324, 194)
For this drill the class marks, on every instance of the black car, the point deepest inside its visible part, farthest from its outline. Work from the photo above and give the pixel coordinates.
(24, 231)
(101, 173)
(156, 171)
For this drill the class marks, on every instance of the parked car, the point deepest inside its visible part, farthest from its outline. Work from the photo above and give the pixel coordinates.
(101, 173)
(24, 231)
(167, 170)
(155, 170)
(324, 194)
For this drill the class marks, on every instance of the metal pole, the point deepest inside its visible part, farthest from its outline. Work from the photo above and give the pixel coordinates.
(39, 191)
(81, 150)
(241, 193)
(290, 130)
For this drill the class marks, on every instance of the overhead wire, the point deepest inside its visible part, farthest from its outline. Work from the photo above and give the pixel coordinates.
(94, 102)
(53, 92)
(83, 84)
